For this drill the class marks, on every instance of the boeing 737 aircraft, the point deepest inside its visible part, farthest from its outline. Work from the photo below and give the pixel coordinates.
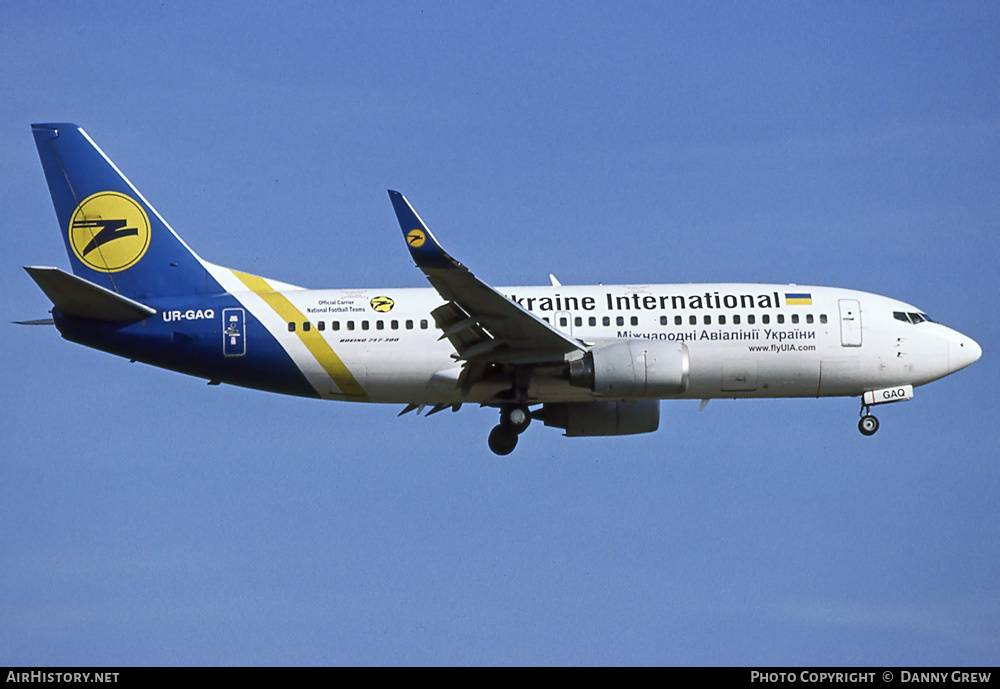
(591, 360)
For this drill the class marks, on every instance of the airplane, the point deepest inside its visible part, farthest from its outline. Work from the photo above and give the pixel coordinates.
(589, 360)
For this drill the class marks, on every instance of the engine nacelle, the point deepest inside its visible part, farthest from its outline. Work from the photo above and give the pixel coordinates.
(602, 418)
(633, 368)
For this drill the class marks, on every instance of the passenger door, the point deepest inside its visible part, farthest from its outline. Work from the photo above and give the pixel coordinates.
(850, 323)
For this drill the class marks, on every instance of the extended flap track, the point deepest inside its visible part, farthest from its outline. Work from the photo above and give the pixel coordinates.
(467, 336)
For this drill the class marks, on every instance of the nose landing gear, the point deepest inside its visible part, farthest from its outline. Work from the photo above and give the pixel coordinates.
(868, 423)
(514, 420)
(899, 393)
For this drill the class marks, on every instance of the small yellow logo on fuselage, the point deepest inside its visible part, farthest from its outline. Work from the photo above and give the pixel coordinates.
(109, 232)
(416, 238)
(382, 304)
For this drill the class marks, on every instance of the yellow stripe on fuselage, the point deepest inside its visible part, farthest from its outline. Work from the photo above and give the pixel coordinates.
(313, 341)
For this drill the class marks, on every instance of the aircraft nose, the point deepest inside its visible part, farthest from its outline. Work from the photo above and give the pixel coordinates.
(963, 351)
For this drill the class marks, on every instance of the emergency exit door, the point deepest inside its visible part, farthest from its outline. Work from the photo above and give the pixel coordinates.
(564, 322)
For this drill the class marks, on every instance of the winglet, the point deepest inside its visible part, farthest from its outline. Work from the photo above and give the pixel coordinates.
(424, 248)
(489, 326)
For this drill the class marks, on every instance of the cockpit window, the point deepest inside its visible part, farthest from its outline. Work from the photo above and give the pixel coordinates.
(910, 317)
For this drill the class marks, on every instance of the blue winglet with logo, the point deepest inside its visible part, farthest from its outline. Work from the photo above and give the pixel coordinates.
(424, 248)
(113, 236)
(516, 335)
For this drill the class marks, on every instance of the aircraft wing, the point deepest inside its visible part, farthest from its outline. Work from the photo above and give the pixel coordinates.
(482, 324)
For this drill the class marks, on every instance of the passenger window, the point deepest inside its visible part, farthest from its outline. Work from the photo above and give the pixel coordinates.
(379, 325)
(781, 318)
(822, 318)
(336, 325)
(693, 320)
(350, 325)
(606, 320)
(765, 319)
(305, 327)
(423, 324)
(409, 325)
(620, 320)
(394, 325)
(578, 321)
(722, 320)
(635, 320)
(321, 326)
(751, 319)
(364, 325)
(809, 318)
(678, 320)
(708, 320)
(563, 322)
(592, 320)
(736, 319)
(663, 320)
(291, 327)
(795, 318)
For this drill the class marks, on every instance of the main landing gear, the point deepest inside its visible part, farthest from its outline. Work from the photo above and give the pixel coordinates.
(868, 423)
(514, 420)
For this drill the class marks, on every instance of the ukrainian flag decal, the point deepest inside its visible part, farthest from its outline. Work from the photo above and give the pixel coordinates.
(798, 299)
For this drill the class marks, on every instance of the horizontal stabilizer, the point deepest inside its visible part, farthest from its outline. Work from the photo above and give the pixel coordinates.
(39, 321)
(77, 297)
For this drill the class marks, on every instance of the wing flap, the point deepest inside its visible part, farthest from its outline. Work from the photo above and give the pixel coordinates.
(464, 332)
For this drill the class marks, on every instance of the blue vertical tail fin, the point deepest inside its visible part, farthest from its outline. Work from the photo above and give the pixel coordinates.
(113, 236)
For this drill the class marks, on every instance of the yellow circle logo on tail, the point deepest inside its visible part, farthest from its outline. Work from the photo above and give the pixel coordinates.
(416, 238)
(109, 231)
(382, 304)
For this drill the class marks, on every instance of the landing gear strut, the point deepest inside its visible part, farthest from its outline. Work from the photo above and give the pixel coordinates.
(514, 420)
(868, 423)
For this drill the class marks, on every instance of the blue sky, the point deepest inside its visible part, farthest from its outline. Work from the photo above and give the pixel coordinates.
(150, 519)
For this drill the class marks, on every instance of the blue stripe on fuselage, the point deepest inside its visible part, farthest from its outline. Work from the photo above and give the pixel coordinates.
(186, 335)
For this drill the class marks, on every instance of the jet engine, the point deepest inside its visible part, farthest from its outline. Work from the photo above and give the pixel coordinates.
(633, 368)
(602, 418)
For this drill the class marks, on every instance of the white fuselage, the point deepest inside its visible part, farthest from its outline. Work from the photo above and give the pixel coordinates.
(743, 340)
